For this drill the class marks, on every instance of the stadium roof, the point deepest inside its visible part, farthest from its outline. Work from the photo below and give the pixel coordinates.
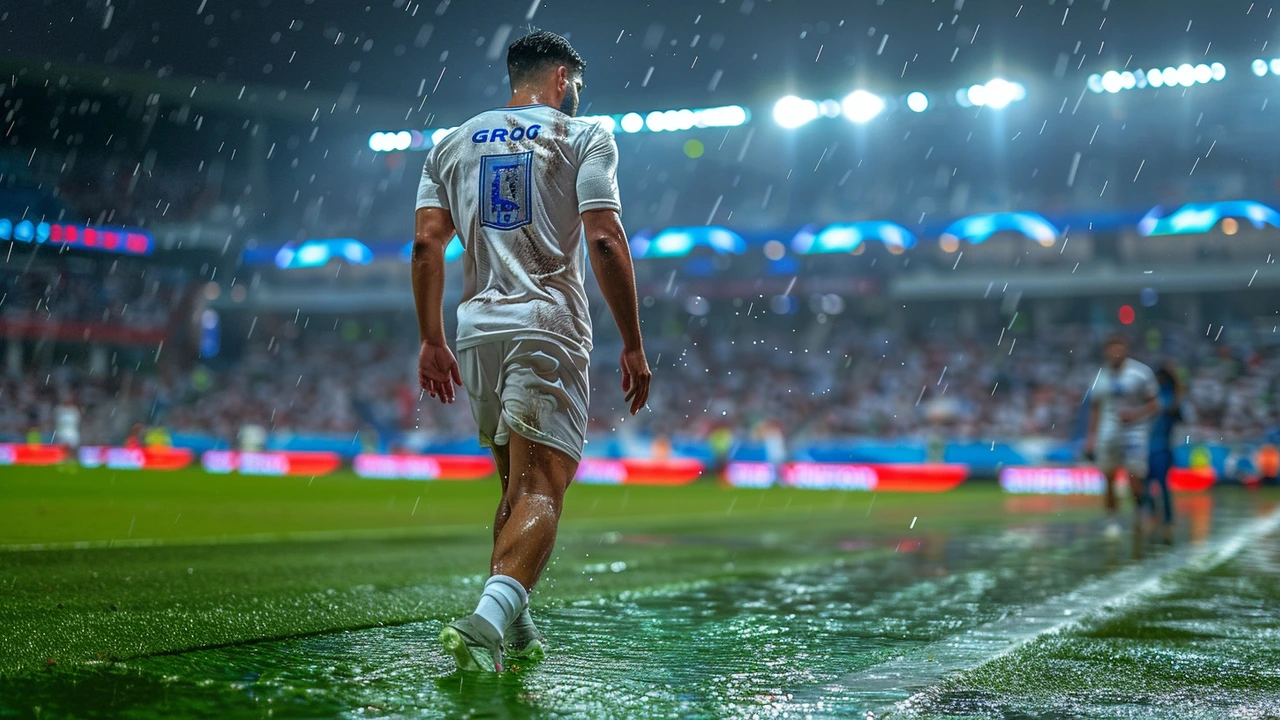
(667, 53)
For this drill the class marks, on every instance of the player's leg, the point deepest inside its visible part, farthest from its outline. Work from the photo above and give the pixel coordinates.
(543, 390)
(1110, 463)
(522, 637)
(501, 459)
(1161, 463)
(540, 475)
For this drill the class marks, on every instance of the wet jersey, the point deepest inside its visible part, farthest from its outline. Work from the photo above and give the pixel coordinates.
(516, 181)
(1128, 388)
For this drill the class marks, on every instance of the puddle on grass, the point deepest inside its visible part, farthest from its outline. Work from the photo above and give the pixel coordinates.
(768, 646)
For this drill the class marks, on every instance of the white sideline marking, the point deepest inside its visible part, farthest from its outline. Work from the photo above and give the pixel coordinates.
(920, 672)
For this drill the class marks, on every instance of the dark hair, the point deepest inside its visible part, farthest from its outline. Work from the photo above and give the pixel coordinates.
(1116, 339)
(538, 51)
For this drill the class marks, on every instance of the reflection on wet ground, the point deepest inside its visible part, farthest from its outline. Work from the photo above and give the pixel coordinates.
(798, 643)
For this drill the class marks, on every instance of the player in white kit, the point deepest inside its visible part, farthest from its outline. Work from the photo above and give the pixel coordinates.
(530, 191)
(1124, 400)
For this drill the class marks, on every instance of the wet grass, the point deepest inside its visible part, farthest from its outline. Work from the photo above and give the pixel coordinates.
(662, 602)
(368, 557)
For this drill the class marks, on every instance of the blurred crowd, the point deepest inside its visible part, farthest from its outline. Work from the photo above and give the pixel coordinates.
(821, 382)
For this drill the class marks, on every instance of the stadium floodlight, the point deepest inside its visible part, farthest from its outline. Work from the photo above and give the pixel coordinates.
(655, 121)
(1204, 74)
(1186, 75)
(861, 106)
(632, 123)
(791, 112)
(1128, 81)
(1155, 78)
(829, 109)
(442, 133)
(918, 102)
(962, 98)
(1219, 71)
(1259, 67)
(1095, 84)
(1000, 92)
(726, 116)
(1275, 66)
(977, 95)
(1112, 82)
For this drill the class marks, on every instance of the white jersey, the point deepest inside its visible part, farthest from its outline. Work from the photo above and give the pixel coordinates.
(516, 181)
(67, 424)
(1128, 388)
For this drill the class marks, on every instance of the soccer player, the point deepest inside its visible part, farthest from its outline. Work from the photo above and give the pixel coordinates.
(523, 186)
(1123, 403)
(1161, 461)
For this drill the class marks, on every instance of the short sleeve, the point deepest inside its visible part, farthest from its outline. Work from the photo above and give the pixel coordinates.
(431, 192)
(598, 174)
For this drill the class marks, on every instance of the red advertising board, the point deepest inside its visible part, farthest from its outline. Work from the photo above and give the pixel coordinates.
(424, 467)
(20, 454)
(125, 458)
(841, 476)
(1089, 481)
(596, 471)
(271, 463)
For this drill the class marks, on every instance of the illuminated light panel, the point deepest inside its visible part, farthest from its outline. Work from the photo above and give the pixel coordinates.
(849, 237)
(678, 242)
(861, 106)
(1195, 218)
(657, 121)
(978, 228)
(996, 94)
(317, 253)
(1186, 75)
(792, 112)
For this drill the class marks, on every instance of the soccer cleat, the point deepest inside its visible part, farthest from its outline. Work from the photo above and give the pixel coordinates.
(524, 642)
(474, 646)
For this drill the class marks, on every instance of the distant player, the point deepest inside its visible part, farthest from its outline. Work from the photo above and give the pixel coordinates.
(1169, 397)
(1123, 403)
(66, 424)
(66, 430)
(522, 186)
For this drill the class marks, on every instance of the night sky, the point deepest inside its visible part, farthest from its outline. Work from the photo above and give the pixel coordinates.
(641, 55)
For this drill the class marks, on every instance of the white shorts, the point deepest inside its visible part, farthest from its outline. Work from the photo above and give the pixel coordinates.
(533, 387)
(1130, 455)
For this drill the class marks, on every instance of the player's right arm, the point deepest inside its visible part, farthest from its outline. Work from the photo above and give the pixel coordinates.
(433, 229)
(611, 262)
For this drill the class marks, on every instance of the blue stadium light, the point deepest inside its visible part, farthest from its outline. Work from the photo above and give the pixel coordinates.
(1095, 84)
(1275, 66)
(978, 228)
(918, 102)
(317, 253)
(1259, 67)
(678, 242)
(1196, 218)
(861, 106)
(1219, 71)
(792, 112)
(846, 237)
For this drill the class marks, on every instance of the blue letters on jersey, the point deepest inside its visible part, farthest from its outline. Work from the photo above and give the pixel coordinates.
(506, 190)
(504, 134)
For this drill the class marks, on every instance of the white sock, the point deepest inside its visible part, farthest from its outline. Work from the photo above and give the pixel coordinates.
(503, 600)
